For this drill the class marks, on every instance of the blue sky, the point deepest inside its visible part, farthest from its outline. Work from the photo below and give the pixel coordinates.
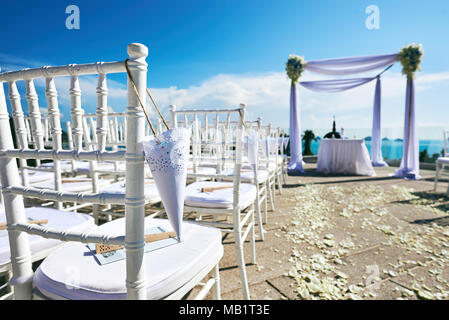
(220, 53)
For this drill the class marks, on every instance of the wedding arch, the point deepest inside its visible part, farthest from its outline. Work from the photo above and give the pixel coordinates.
(410, 58)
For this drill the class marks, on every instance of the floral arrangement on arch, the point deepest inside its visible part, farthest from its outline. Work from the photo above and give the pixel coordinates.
(295, 66)
(411, 57)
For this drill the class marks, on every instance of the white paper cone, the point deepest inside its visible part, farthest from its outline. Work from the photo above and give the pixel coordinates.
(167, 155)
(252, 148)
(265, 143)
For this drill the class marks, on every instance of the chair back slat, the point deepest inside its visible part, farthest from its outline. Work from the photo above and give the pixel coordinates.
(19, 124)
(76, 112)
(35, 119)
(102, 112)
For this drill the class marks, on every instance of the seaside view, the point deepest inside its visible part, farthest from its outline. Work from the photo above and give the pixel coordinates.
(430, 139)
(392, 149)
(272, 151)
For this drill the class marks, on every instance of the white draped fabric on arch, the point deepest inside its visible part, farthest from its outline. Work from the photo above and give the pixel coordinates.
(347, 66)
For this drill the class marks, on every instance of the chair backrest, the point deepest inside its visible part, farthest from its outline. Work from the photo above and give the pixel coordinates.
(116, 129)
(210, 128)
(13, 191)
(227, 138)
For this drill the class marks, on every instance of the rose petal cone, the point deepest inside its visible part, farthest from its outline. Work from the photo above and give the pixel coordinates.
(252, 148)
(167, 156)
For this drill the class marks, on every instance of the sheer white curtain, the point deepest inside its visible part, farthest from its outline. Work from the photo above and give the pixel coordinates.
(376, 139)
(294, 166)
(409, 168)
(346, 66)
(339, 85)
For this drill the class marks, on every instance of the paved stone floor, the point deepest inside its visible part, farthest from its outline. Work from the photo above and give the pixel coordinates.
(349, 237)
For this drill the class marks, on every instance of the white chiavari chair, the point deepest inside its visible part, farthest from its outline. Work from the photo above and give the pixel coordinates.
(252, 172)
(71, 271)
(235, 201)
(442, 162)
(265, 177)
(272, 145)
(272, 160)
(29, 176)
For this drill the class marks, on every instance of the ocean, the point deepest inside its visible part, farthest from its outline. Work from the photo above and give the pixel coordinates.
(392, 149)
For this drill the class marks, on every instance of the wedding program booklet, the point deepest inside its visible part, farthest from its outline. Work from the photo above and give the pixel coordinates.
(117, 255)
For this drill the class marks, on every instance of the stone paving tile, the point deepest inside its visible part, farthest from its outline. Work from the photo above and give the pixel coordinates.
(285, 285)
(427, 213)
(372, 245)
(259, 291)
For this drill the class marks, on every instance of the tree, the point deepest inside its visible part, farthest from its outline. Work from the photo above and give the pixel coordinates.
(423, 156)
(307, 138)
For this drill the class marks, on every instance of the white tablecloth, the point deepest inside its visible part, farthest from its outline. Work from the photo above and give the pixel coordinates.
(344, 156)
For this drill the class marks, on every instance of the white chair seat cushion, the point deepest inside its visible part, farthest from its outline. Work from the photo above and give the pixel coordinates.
(248, 174)
(66, 165)
(272, 166)
(39, 176)
(150, 189)
(277, 160)
(202, 170)
(166, 269)
(219, 199)
(443, 160)
(205, 162)
(72, 184)
(103, 166)
(83, 167)
(59, 220)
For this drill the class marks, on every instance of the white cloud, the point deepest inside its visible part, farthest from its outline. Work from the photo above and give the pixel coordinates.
(267, 96)
(12, 62)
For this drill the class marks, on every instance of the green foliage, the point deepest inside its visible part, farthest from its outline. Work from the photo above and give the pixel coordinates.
(294, 67)
(424, 156)
(307, 138)
(411, 57)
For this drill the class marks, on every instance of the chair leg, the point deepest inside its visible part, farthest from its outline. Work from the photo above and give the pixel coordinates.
(436, 176)
(96, 210)
(241, 260)
(109, 208)
(278, 178)
(271, 195)
(217, 290)
(266, 203)
(259, 214)
(253, 238)
(10, 289)
(283, 173)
